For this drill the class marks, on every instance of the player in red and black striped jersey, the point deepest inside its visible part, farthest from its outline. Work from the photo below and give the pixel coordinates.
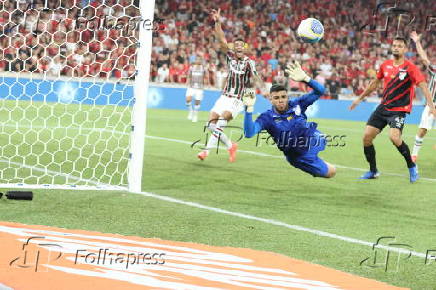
(241, 72)
(400, 77)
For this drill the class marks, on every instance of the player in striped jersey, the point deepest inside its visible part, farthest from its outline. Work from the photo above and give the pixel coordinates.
(400, 77)
(428, 121)
(196, 81)
(241, 73)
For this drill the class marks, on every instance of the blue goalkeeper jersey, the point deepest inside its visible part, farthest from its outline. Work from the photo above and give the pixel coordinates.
(290, 130)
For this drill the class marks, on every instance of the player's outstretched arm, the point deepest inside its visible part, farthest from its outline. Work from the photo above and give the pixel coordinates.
(308, 99)
(375, 83)
(219, 31)
(421, 52)
(250, 128)
(296, 73)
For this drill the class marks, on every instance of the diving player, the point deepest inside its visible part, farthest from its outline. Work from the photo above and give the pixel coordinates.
(286, 122)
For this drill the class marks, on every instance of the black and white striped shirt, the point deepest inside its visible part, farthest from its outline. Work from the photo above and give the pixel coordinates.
(196, 74)
(240, 73)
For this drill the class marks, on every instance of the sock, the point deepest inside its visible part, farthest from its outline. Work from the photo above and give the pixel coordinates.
(405, 151)
(188, 106)
(370, 157)
(220, 125)
(417, 146)
(196, 108)
(213, 139)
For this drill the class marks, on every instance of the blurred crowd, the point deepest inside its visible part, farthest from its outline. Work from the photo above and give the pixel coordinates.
(80, 38)
(96, 38)
(345, 60)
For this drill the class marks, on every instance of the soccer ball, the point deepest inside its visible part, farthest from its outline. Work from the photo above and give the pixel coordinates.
(310, 30)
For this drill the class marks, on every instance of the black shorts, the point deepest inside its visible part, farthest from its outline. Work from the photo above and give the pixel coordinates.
(381, 117)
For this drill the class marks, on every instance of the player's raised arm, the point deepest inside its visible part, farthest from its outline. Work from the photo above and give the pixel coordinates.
(250, 128)
(297, 74)
(375, 83)
(428, 97)
(219, 31)
(423, 85)
(421, 52)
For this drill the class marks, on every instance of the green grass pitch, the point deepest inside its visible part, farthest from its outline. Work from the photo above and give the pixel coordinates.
(266, 187)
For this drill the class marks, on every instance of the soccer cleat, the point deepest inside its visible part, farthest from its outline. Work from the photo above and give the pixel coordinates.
(202, 155)
(190, 115)
(370, 175)
(232, 152)
(414, 176)
(414, 158)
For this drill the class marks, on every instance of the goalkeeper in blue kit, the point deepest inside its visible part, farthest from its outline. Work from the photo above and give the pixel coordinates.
(286, 122)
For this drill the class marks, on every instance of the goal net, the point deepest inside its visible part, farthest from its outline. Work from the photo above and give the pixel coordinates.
(68, 98)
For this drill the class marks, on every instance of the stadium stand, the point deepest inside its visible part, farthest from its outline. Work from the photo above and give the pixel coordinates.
(345, 60)
(51, 37)
(39, 41)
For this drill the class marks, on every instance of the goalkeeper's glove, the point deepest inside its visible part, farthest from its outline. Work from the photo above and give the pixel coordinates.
(249, 99)
(296, 73)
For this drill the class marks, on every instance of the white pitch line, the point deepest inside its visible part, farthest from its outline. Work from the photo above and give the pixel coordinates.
(190, 143)
(47, 171)
(361, 131)
(281, 157)
(281, 224)
(251, 217)
(55, 173)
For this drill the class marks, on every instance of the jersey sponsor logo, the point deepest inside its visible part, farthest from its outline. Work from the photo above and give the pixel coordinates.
(238, 67)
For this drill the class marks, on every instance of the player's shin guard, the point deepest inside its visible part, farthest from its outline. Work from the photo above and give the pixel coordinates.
(405, 151)
(417, 146)
(189, 107)
(220, 125)
(370, 157)
(195, 113)
(213, 139)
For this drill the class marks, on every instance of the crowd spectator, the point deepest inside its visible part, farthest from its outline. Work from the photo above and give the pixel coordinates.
(65, 40)
(91, 38)
(345, 60)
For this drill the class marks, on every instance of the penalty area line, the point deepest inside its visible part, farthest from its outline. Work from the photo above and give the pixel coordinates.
(279, 223)
(282, 157)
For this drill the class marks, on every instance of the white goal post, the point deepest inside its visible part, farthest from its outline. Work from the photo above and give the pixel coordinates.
(73, 93)
(141, 90)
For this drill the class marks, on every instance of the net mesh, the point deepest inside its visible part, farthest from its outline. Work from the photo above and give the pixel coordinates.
(66, 91)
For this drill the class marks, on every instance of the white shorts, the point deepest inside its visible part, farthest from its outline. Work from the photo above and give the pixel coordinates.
(197, 94)
(427, 121)
(231, 104)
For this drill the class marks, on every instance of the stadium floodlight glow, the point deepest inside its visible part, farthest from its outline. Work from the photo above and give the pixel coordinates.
(73, 101)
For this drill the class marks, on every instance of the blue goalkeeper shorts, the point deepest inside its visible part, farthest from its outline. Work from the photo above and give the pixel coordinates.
(309, 161)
